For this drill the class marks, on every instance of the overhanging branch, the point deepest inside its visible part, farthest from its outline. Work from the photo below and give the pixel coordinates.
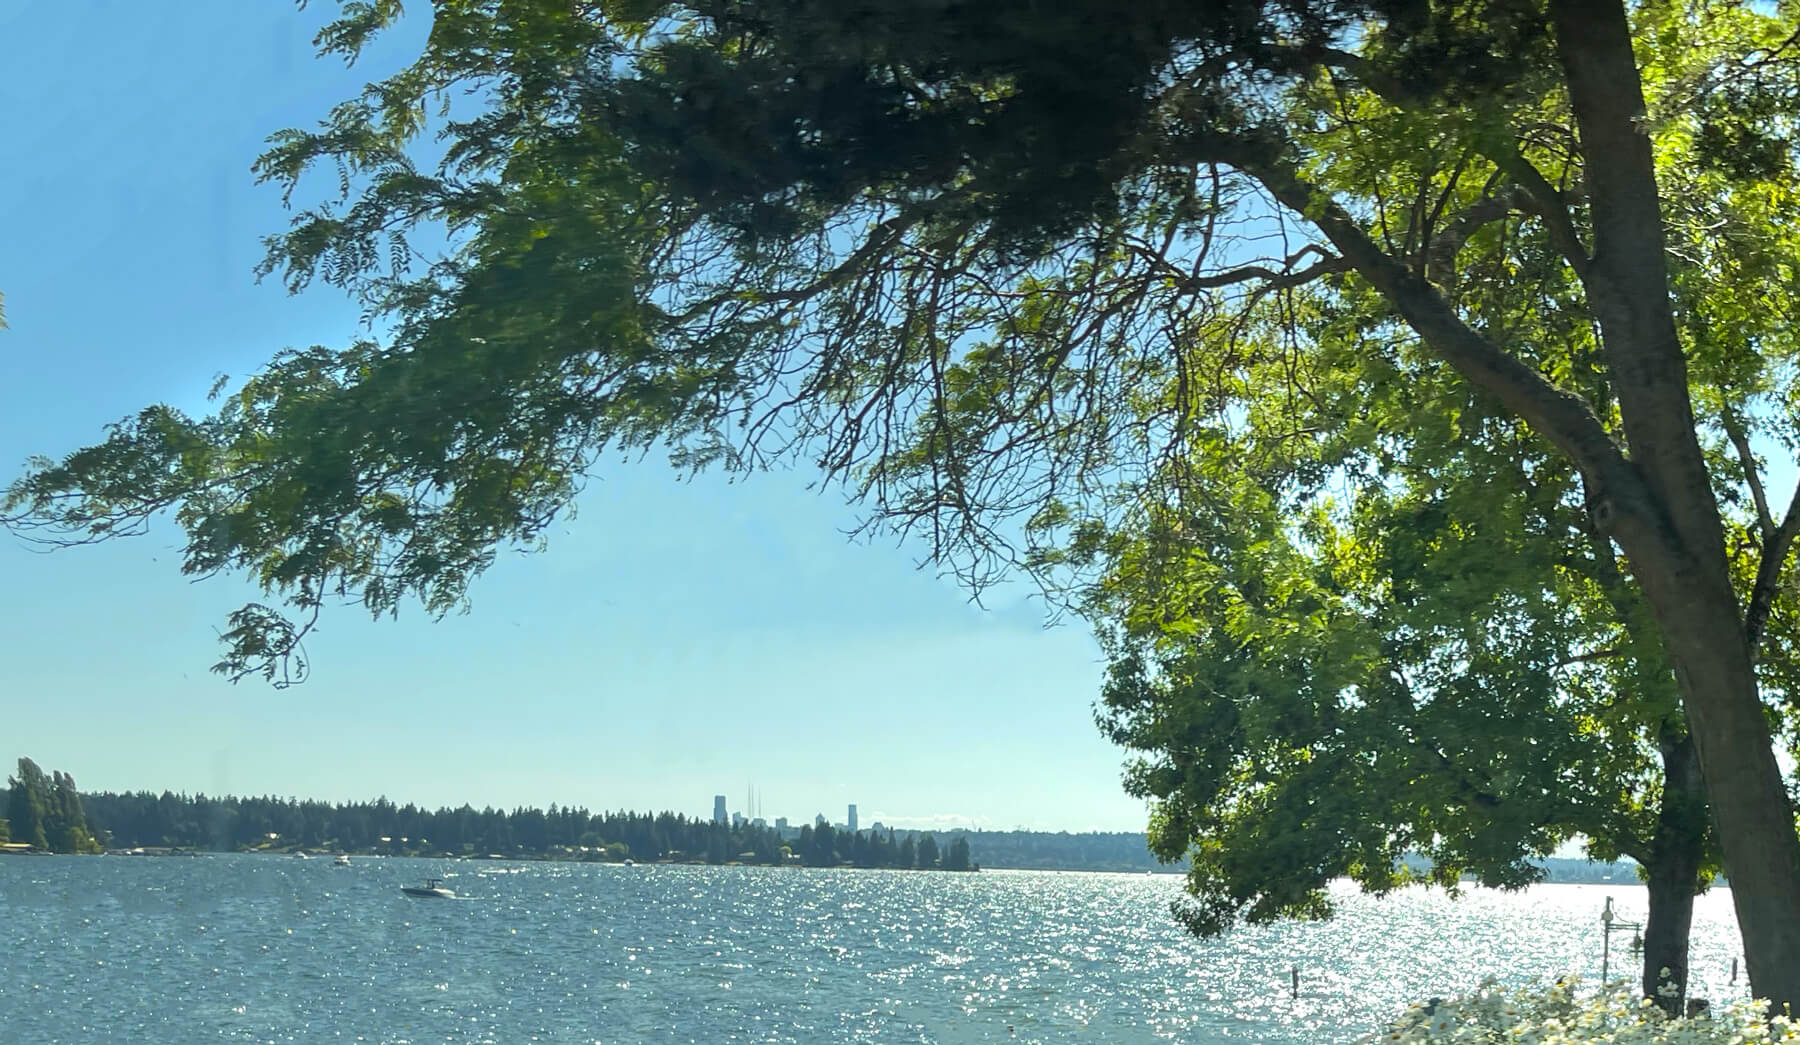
(1284, 278)
(1590, 657)
(1545, 200)
(1557, 414)
(1441, 251)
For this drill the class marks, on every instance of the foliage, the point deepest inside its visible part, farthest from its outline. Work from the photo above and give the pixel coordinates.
(48, 812)
(1020, 278)
(1349, 647)
(1379, 614)
(957, 859)
(381, 826)
(740, 235)
(1555, 1015)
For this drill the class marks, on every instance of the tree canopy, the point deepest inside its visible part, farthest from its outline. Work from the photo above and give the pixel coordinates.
(228, 823)
(1014, 276)
(1443, 660)
(46, 812)
(1377, 613)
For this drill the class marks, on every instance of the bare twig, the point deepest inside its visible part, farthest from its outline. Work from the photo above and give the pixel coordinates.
(1734, 429)
(1768, 574)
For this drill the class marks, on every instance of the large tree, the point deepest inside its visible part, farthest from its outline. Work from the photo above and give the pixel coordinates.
(984, 262)
(48, 810)
(28, 804)
(1429, 629)
(1440, 658)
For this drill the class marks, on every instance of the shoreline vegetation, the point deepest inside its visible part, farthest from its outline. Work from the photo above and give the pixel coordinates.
(47, 813)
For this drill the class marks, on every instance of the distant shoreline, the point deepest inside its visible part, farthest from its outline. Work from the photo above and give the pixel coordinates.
(531, 858)
(1559, 871)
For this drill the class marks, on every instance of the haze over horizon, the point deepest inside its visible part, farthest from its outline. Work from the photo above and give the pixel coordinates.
(676, 639)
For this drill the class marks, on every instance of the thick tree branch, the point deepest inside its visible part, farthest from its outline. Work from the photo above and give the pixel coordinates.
(1628, 286)
(1590, 657)
(1548, 204)
(1555, 413)
(1441, 250)
(1284, 278)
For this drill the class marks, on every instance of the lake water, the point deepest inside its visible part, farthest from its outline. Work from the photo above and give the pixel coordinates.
(273, 949)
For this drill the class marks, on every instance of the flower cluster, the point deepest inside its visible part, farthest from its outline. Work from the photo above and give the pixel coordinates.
(1554, 1015)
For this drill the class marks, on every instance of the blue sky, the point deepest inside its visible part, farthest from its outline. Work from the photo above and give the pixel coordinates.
(677, 640)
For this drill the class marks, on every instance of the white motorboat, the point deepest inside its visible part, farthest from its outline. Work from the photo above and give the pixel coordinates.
(432, 889)
(343, 860)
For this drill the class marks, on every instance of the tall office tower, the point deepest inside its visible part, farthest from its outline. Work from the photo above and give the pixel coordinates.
(719, 816)
(852, 820)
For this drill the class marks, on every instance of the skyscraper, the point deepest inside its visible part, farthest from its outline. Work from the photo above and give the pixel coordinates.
(719, 815)
(852, 820)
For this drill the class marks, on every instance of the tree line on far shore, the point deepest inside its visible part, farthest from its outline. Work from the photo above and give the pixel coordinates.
(48, 813)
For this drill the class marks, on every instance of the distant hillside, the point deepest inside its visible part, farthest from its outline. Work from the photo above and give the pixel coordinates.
(1561, 869)
(1129, 851)
(1062, 851)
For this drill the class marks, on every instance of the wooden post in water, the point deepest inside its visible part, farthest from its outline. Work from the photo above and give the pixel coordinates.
(1609, 923)
(1296, 992)
(1734, 970)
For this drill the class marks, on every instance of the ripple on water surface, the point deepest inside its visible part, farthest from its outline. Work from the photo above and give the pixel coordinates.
(266, 949)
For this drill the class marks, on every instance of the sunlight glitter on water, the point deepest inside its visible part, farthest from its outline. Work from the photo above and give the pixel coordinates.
(257, 949)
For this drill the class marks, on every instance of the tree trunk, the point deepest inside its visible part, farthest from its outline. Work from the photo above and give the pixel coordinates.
(1673, 537)
(1658, 504)
(1673, 871)
(1743, 781)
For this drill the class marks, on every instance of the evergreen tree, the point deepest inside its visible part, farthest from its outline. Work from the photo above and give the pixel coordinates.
(66, 825)
(928, 852)
(958, 857)
(27, 802)
(824, 851)
(227, 823)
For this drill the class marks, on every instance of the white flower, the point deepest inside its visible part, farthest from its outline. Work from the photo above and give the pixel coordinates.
(1557, 1016)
